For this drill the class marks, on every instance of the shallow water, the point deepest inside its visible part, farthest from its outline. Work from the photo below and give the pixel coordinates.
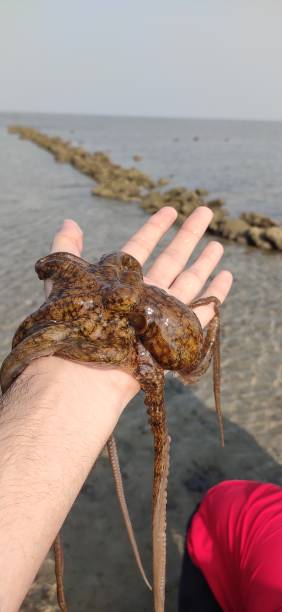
(235, 160)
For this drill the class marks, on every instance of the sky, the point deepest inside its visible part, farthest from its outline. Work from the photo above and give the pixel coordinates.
(167, 58)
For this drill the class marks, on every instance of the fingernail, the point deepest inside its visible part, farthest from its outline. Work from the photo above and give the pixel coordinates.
(66, 223)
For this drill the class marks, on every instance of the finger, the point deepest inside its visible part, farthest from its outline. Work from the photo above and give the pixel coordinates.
(144, 241)
(188, 284)
(219, 287)
(173, 259)
(68, 239)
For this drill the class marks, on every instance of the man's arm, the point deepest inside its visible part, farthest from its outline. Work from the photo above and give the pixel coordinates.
(51, 432)
(58, 415)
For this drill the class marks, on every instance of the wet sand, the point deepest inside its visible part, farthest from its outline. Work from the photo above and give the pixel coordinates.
(100, 573)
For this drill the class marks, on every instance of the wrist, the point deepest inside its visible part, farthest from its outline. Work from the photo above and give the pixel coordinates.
(88, 383)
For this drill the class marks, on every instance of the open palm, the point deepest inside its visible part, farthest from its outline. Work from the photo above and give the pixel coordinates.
(168, 272)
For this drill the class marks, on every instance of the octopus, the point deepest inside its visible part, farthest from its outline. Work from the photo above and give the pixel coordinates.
(104, 313)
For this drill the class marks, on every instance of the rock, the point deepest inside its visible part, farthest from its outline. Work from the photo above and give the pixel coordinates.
(103, 191)
(182, 195)
(232, 228)
(153, 202)
(188, 207)
(243, 233)
(120, 189)
(201, 191)
(181, 218)
(274, 236)
(242, 240)
(182, 199)
(113, 181)
(62, 155)
(163, 181)
(255, 237)
(219, 216)
(137, 157)
(175, 192)
(258, 220)
(217, 203)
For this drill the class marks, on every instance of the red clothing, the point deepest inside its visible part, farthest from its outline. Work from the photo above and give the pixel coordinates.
(235, 539)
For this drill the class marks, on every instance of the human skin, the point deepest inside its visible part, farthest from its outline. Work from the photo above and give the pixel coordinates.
(59, 414)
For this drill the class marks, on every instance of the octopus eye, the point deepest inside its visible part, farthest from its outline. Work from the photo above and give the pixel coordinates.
(135, 265)
(129, 277)
(138, 321)
(120, 263)
(111, 259)
(130, 264)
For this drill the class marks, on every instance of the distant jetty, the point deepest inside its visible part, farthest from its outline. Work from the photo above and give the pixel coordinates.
(132, 185)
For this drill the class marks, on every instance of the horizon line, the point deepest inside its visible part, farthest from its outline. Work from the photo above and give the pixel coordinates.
(133, 116)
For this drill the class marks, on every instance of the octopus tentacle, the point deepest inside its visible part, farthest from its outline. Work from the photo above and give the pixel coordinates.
(63, 271)
(151, 378)
(159, 528)
(59, 571)
(61, 265)
(41, 343)
(211, 348)
(114, 460)
(67, 308)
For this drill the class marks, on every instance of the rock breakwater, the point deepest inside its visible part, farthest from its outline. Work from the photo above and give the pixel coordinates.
(132, 185)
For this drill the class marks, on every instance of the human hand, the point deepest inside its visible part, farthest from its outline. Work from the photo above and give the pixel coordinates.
(166, 272)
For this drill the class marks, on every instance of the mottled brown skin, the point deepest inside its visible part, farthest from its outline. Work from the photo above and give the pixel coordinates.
(104, 313)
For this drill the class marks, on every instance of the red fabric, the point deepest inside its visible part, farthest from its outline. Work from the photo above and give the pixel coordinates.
(236, 541)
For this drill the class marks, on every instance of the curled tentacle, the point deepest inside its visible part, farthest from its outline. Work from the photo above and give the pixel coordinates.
(71, 307)
(41, 343)
(61, 265)
(64, 271)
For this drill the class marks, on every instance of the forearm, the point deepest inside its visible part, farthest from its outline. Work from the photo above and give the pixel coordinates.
(52, 429)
